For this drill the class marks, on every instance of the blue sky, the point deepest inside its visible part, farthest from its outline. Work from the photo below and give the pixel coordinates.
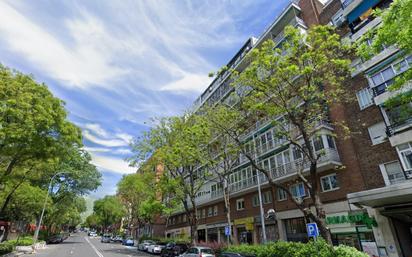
(116, 64)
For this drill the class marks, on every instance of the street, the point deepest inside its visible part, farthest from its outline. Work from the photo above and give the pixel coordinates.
(80, 245)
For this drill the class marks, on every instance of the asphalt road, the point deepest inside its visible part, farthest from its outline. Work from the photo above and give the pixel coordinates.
(80, 245)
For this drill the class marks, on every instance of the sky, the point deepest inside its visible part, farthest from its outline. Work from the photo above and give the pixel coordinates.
(117, 64)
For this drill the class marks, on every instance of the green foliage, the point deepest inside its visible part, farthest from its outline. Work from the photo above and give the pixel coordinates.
(22, 241)
(6, 248)
(396, 30)
(109, 210)
(292, 249)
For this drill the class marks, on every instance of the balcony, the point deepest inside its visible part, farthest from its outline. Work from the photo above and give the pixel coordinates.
(328, 160)
(398, 127)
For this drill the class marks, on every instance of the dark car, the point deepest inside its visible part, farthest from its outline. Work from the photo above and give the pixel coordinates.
(105, 239)
(128, 241)
(174, 249)
(56, 239)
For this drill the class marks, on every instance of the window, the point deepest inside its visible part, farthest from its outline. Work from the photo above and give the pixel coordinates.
(184, 218)
(329, 183)
(240, 204)
(215, 210)
(405, 153)
(318, 143)
(298, 190)
(282, 195)
(394, 172)
(267, 197)
(377, 133)
(255, 200)
(331, 142)
(364, 98)
(210, 211)
(203, 213)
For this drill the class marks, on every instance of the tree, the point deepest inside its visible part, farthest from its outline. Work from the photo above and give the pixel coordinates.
(293, 87)
(395, 30)
(34, 131)
(138, 194)
(180, 145)
(92, 221)
(109, 211)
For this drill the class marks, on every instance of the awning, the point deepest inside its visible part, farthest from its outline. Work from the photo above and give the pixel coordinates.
(361, 9)
(384, 196)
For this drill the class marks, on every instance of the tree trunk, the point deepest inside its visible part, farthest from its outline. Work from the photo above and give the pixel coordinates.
(226, 197)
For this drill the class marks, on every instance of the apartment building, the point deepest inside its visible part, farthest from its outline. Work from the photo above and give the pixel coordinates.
(364, 178)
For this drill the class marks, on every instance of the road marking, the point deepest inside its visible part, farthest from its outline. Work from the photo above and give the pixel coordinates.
(94, 248)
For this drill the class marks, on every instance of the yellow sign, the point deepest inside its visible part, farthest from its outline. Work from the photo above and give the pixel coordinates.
(249, 226)
(244, 221)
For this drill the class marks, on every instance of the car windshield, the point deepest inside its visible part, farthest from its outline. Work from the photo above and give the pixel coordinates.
(209, 251)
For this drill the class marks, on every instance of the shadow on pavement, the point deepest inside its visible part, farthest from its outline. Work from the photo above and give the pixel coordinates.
(126, 251)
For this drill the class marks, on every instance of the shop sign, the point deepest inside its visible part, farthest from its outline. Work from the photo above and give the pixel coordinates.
(244, 221)
(353, 218)
(249, 226)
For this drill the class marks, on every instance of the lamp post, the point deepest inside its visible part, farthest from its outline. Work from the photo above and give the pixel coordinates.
(262, 216)
(36, 233)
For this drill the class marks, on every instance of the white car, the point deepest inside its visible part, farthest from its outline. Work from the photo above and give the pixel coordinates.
(143, 246)
(199, 251)
(157, 248)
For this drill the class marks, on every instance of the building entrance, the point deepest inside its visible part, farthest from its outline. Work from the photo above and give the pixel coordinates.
(402, 224)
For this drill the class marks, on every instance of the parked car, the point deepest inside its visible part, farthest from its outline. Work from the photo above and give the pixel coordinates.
(105, 238)
(128, 241)
(199, 251)
(92, 234)
(145, 244)
(117, 239)
(174, 249)
(56, 239)
(156, 248)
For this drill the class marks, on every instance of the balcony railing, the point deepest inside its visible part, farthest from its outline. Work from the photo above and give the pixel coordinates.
(393, 128)
(328, 155)
(346, 3)
(216, 194)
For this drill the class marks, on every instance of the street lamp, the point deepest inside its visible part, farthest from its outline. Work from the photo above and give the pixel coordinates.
(36, 233)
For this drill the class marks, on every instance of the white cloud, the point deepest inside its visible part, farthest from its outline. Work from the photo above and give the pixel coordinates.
(108, 150)
(116, 165)
(96, 129)
(104, 142)
(80, 65)
(189, 82)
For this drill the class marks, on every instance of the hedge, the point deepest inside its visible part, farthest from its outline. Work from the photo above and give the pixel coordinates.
(6, 248)
(292, 249)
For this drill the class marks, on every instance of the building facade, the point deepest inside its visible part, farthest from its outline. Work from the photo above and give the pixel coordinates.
(366, 191)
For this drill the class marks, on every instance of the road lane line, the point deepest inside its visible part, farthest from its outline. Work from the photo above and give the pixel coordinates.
(94, 248)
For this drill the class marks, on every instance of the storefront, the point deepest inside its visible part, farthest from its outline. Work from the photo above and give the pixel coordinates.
(296, 229)
(271, 228)
(178, 232)
(243, 230)
(391, 207)
(352, 228)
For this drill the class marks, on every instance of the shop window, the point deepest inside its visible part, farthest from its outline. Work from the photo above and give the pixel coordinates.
(405, 154)
(282, 195)
(377, 133)
(329, 183)
(365, 98)
(240, 204)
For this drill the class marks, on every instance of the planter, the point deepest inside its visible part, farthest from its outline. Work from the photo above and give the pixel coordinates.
(25, 249)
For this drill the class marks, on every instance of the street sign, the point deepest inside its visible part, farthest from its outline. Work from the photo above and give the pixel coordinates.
(227, 231)
(312, 229)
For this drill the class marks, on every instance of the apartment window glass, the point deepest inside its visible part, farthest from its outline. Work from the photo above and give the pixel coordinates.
(255, 200)
(364, 98)
(377, 133)
(240, 204)
(331, 142)
(329, 183)
(298, 190)
(388, 73)
(405, 152)
(377, 79)
(318, 143)
(282, 195)
(401, 66)
(203, 214)
(297, 154)
(210, 211)
(267, 197)
(215, 210)
(184, 218)
(394, 172)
